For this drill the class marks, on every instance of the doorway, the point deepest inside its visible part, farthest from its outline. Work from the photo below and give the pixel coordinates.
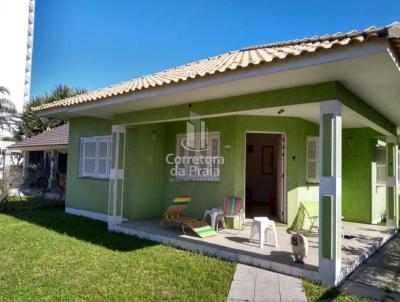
(265, 176)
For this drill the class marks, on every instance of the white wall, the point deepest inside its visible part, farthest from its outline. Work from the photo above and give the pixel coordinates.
(16, 36)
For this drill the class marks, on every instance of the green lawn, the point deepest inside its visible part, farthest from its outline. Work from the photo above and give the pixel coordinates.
(51, 256)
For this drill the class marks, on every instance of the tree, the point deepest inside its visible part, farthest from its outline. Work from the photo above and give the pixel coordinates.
(31, 124)
(7, 110)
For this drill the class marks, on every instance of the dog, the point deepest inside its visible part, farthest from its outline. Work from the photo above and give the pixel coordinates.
(299, 247)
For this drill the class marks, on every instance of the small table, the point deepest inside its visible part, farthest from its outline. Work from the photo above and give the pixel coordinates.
(215, 214)
(261, 225)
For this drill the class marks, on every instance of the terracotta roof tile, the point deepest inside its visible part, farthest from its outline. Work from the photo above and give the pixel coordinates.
(55, 137)
(243, 58)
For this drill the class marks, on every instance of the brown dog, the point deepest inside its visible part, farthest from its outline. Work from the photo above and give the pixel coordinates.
(299, 247)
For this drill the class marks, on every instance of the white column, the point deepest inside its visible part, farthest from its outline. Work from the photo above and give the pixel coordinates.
(26, 163)
(392, 210)
(51, 172)
(330, 191)
(115, 198)
(396, 185)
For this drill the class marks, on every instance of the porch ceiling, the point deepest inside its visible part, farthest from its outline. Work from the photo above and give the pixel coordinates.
(369, 70)
(310, 112)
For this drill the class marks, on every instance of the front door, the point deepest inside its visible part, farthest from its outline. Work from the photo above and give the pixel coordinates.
(265, 166)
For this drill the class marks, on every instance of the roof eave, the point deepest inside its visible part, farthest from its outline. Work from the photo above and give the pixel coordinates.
(329, 56)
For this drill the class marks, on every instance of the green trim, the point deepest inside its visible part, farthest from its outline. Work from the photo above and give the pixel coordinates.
(327, 227)
(358, 105)
(267, 99)
(327, 143)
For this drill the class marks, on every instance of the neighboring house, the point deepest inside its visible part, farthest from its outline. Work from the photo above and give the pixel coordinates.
(304, 120)
(45, 154)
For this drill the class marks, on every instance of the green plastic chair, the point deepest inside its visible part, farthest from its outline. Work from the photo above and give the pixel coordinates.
(308, 212)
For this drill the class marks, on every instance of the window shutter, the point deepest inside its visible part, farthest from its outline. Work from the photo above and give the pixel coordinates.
(312, 158)
(89, 164)
(380, 159)
(81, 155)
(214, 145)
(103, 158)
(180, 152)
(95, 156)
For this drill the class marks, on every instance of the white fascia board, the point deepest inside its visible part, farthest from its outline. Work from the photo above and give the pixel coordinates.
(304, 61)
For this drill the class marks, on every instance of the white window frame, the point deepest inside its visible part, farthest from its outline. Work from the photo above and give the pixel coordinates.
(187, 177)
(381, 167)
(97, 158)
(316, 160)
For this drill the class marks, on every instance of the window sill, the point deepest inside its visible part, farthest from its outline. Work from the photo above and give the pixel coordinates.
(196, 180)
(312, 184)
(93, 178)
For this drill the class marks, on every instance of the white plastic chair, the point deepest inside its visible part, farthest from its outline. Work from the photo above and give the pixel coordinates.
(261, 225)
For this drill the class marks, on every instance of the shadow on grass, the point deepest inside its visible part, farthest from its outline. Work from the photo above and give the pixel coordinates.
(330, 294)
(81, 228)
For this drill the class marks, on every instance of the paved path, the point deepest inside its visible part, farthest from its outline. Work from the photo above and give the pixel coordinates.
(255, 284)
(379, 277)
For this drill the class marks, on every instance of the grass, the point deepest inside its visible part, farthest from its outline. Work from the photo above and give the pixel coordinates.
(315, 292)
(48, 255)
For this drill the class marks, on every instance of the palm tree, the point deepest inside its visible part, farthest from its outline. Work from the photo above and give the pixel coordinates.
(7, 110)
(31, 124)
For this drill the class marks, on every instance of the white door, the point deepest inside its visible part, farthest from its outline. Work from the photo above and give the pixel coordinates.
(281, 179)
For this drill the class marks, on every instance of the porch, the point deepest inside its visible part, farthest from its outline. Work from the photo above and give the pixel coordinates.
(134, 195)
(234, 245)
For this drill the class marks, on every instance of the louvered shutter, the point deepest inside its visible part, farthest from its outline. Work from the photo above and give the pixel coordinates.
(89, 160)
(180, 152)
(81, 155)
(95, 156)
(103, 158)
(312, 158)
(214, 146)
(380, 159)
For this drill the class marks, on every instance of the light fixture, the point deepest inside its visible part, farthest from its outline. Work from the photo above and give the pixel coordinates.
(154, 136)
(350, 141)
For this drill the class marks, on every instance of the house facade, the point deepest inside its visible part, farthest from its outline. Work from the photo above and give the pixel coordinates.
(311, 120)
(45, 155)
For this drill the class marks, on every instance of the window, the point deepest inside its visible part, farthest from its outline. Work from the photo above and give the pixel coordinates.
(398, 167)
(95, 156)
(201, 164)
(312, 158)
(380, 159)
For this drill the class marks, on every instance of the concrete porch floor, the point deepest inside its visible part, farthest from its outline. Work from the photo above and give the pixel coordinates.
(234, 245)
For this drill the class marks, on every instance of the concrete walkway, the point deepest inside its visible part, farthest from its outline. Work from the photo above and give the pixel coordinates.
(255, 284)
(379, 277)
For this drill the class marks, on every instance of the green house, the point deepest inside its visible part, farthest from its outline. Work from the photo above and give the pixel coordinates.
(312, 120)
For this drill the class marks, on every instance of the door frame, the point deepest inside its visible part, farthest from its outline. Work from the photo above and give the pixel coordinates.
(284, 169)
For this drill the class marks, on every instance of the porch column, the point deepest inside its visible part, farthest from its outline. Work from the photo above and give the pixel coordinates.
(53, 168)
(116, 175)
(392, 211)
(330, 191)
(26, 163)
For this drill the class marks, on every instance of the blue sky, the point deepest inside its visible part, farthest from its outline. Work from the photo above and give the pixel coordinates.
(94, 43)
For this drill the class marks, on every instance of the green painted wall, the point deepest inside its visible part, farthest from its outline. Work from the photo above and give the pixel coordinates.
(358, 156)
(205, 195)
(85, 193)
(145, 180)
(150, 188)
